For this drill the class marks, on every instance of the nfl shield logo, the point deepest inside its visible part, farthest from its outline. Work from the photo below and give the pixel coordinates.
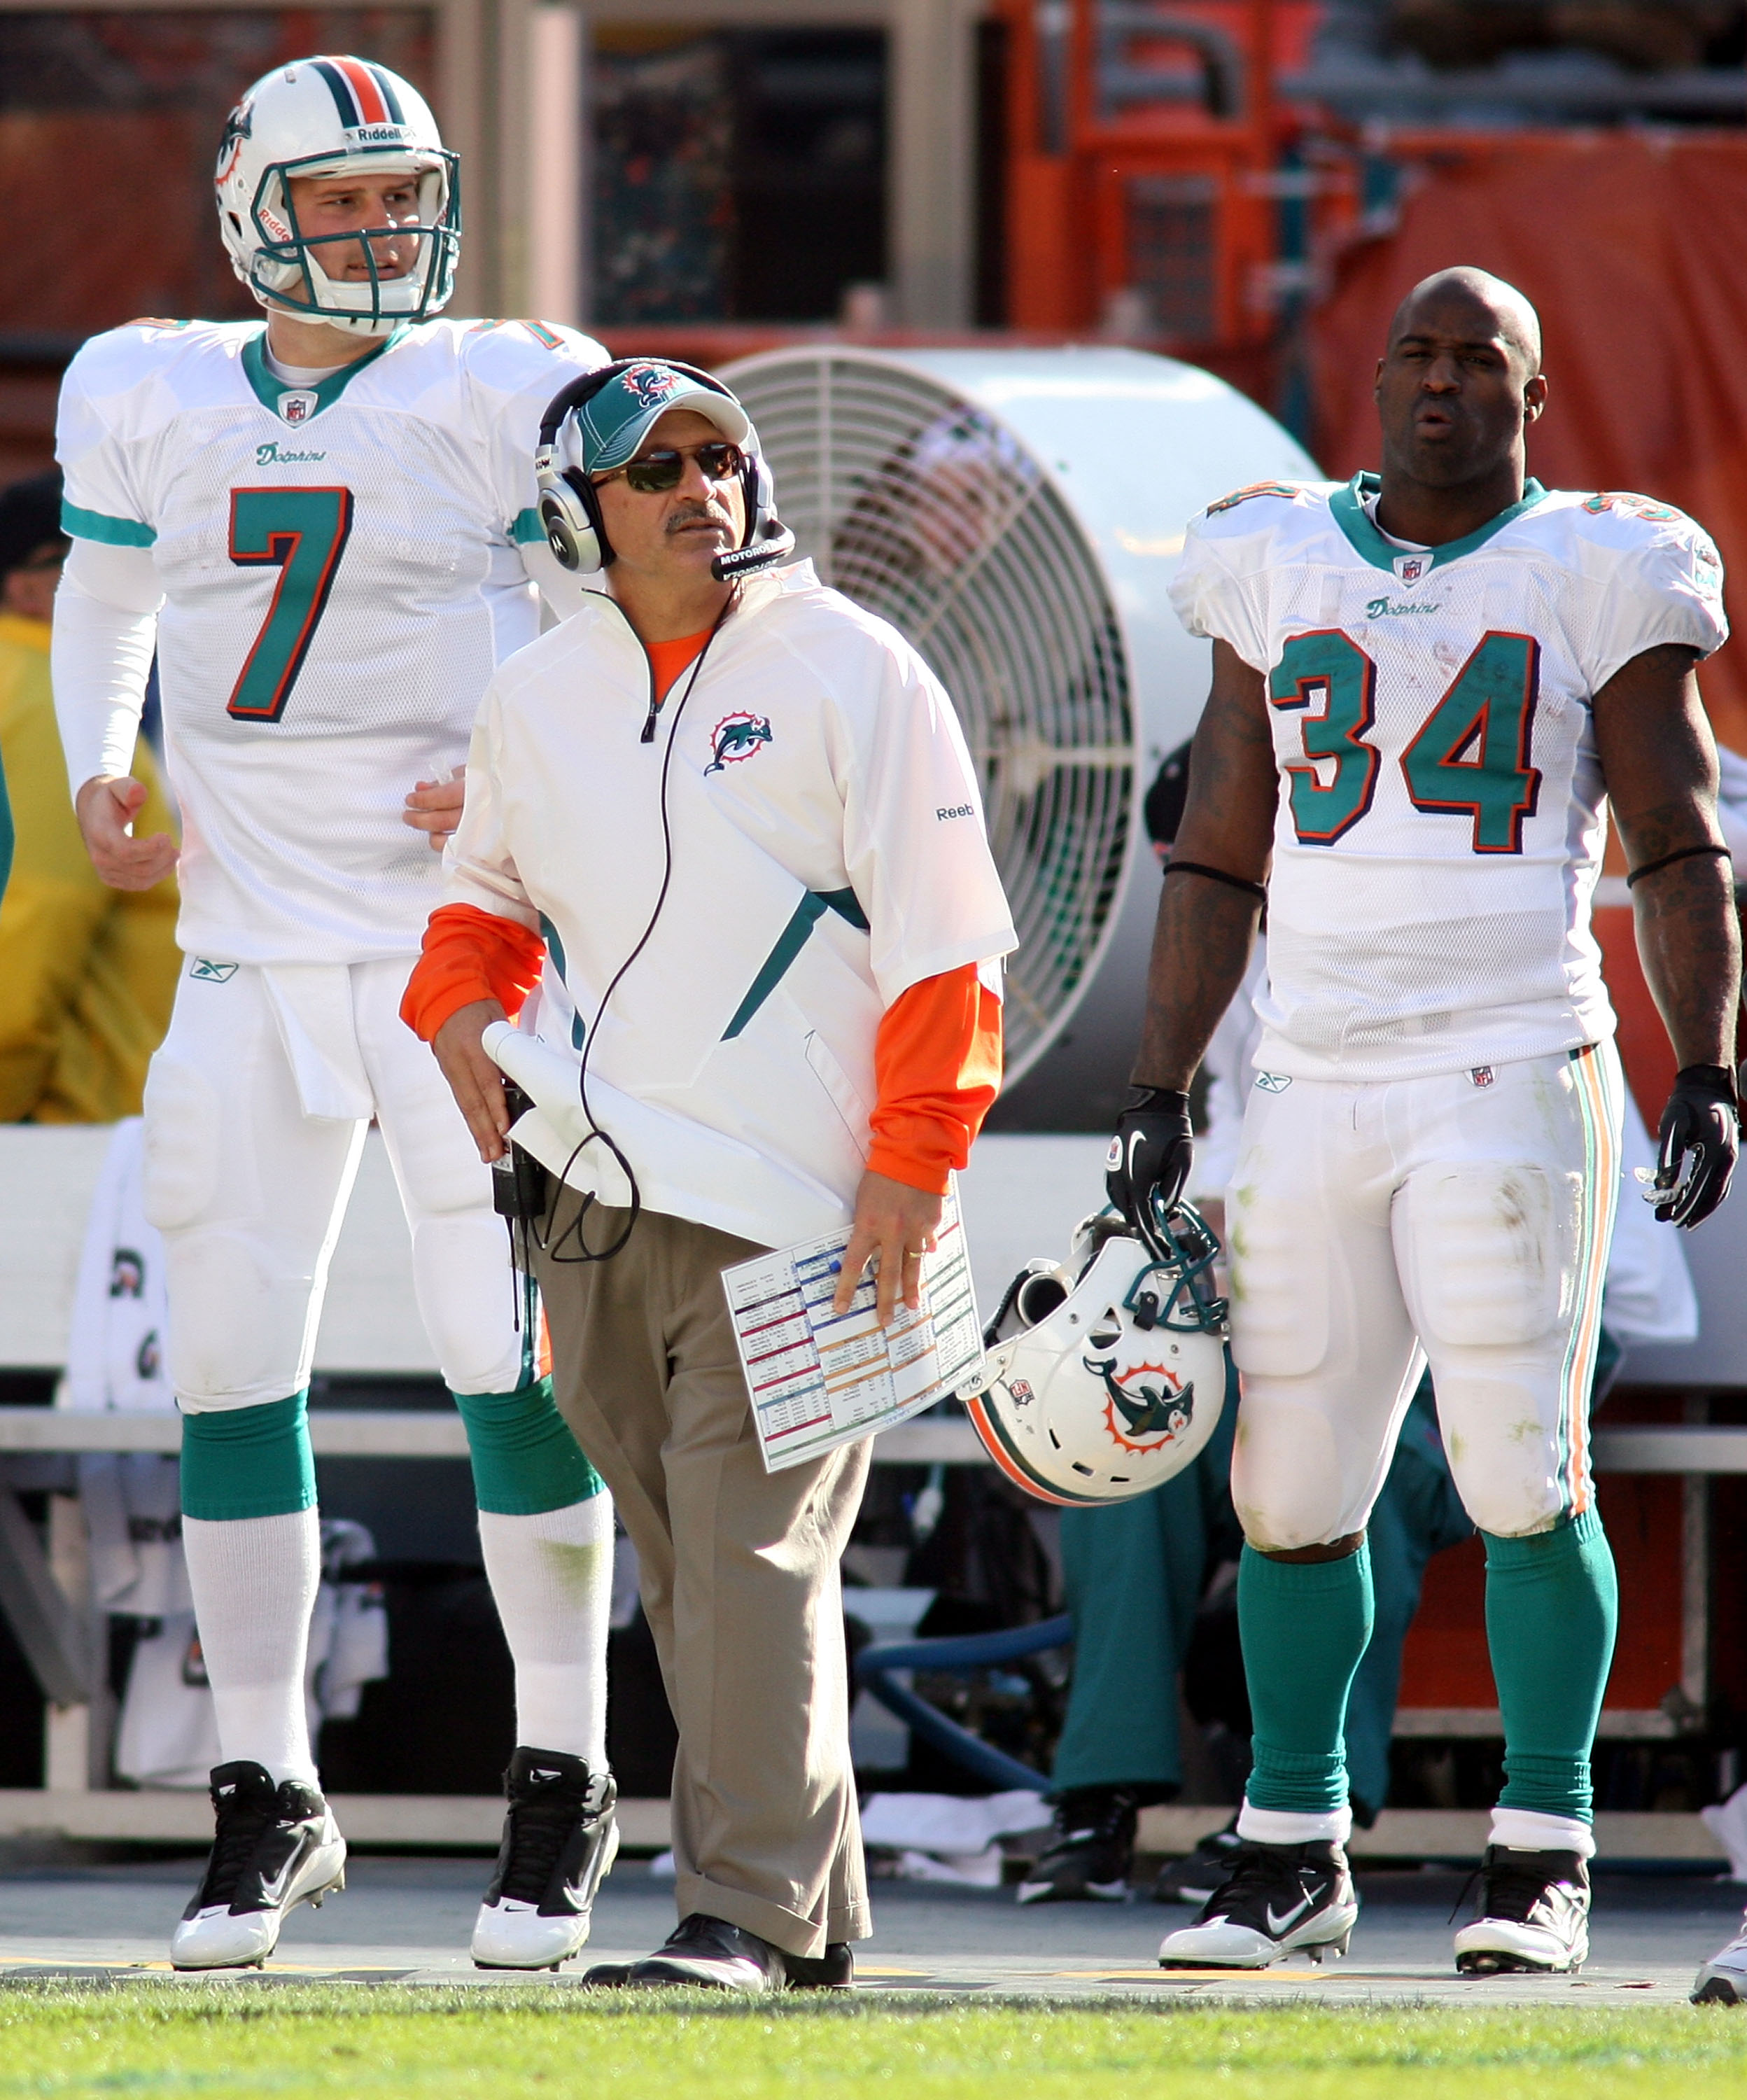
(297, 407)
(1410, 567)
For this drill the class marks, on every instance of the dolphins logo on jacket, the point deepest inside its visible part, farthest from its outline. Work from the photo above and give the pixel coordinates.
(1148, 1404)
(736, 737)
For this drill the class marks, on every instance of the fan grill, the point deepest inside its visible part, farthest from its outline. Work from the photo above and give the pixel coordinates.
(925, 510)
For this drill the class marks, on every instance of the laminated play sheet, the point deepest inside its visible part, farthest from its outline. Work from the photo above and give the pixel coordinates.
(819, 1381)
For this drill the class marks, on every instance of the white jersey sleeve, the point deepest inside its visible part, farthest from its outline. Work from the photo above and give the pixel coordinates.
(1664, 578)
(510, 389)
(102, 498)
(1216, 591)
(914, 843)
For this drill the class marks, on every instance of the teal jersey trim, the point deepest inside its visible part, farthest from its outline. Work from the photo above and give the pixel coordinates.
(1348, 505)
(789, 944)
(78, 524)
(247, 1462)
(555, 947)
(525, 1460)
(268, 385)
(526, 529)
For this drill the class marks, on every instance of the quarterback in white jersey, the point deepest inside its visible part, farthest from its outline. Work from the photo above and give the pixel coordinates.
(1427, 685)
(324, 527)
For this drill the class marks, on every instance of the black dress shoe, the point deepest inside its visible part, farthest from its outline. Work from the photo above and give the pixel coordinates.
(832, 1971)
(701, 1953)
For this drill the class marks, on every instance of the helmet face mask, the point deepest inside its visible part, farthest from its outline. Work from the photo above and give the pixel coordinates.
(337, 116)
(1120, 1384)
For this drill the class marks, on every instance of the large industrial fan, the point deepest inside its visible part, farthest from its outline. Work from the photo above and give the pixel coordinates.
(1018, 514)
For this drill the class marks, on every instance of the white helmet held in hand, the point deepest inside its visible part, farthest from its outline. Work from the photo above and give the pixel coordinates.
(324, 117)
(1117, 1381)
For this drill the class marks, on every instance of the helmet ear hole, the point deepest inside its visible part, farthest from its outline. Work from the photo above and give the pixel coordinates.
(1038, 1297)
(1105, 1337)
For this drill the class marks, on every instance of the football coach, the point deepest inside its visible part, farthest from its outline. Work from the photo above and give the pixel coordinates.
(737, 814)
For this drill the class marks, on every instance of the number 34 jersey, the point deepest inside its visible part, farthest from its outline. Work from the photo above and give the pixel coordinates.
(1441, 821)
(342, 571)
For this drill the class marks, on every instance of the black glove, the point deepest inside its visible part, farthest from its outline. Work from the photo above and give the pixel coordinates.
(1699, 1136)
(1150, 1156)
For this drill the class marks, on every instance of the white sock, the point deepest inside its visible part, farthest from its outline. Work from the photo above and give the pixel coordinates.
(1530, 1830)
(1285, 1826)
(255, 1581)
(552, 1576)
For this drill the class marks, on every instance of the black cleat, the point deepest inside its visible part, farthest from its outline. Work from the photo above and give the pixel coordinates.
(1090, 1851)
(561, 1837)
(1534, 1915)
(275, 1847)
(1275, 1901)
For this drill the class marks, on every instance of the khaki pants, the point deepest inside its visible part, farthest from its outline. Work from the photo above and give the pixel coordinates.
(739, 1577)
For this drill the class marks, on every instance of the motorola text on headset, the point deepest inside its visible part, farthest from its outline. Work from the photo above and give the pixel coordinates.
(569, 506)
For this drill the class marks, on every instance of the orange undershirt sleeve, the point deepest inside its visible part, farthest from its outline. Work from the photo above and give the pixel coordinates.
(468, 955)
(937, 1071)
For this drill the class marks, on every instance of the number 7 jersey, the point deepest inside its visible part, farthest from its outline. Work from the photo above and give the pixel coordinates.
(342, 568)
(1440, 823)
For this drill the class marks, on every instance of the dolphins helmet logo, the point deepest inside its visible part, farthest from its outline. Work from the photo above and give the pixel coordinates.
(650, 383)
(1147, 1406)
(736, 737)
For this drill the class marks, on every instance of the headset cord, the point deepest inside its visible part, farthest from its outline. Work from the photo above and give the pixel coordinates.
(574, 1230)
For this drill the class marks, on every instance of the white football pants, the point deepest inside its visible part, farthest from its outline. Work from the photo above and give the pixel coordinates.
(1463, 1219)
(256, 1108)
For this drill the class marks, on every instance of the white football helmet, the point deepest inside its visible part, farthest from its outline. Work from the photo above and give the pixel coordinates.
(1117, 1380)
(330, 116)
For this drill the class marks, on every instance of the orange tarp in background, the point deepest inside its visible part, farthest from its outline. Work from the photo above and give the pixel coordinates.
(1635, 251)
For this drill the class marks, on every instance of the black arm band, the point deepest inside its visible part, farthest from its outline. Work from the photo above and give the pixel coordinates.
(1668, 860)
(1217, 874)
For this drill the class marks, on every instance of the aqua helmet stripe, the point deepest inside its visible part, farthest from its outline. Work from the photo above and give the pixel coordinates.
(384, 81)
(341, 89)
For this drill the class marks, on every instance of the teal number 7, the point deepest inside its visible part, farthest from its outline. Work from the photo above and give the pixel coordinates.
(1469, 758)
(302, 532)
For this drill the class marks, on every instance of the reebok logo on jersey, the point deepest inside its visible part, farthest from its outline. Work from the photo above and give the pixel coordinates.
(958, 809)
(273, 454)
(1388, 608)
(1273, 1083)
(213, 972)
(736, 737)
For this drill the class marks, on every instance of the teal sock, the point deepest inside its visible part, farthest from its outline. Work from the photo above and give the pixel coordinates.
(243, 1462)
(1304, 1626)
(1552, 1609)
(525, 1460)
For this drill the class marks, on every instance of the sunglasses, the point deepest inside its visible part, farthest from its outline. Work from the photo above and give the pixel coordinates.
(653, 473)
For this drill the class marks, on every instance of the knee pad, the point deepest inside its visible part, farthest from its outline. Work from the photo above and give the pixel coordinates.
(247, 1462)
(1281, 1289)
(1504, 1453)
(471, 1300)
(525, 1460)
(1491, 1249)
(1289, 1485)
(183, 1115)
(238, 1325)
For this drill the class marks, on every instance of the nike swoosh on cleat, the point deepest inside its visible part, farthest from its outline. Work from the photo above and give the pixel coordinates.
(273, 1892)
(1278, 1925)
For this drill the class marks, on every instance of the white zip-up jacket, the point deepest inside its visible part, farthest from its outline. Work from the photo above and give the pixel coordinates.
(827, 852)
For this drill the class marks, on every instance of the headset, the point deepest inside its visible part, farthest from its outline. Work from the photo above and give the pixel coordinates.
(570, 507)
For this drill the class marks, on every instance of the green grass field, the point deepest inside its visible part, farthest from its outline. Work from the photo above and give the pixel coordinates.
(292, 2040)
